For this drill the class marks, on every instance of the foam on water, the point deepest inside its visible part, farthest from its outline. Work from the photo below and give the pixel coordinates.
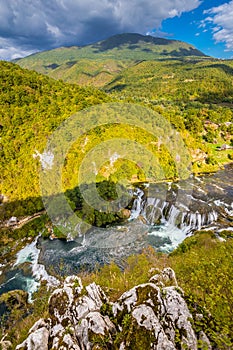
(170, 232)
(30, 253)
(27, 254)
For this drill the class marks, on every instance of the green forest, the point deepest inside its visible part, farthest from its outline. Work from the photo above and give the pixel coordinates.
(175, 89)
(33, 106)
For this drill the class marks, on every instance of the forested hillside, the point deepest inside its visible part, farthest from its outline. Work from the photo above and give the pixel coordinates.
(193, 94)
(192, 91)
(178, 80)
(99, 63)
(31, 107)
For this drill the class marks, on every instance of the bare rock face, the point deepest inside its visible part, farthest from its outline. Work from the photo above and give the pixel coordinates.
(38, 337)
(153, 315)
(165, 277)
(74, 316)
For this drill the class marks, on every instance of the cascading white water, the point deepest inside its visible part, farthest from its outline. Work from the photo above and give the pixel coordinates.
(172, 216)
(137, 207)
(153, 203)
(155, 210)
(168, 220)
(30, 253)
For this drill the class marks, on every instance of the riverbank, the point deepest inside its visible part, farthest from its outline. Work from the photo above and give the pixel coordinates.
(161, 216)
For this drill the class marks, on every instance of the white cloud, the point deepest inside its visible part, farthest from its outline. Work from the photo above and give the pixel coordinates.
(41, 24)
(10, 51)
(221, 20)
(173, 13)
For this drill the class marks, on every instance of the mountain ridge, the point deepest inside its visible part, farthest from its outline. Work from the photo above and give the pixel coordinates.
(133, 38)
(98, 63)
(118, 40)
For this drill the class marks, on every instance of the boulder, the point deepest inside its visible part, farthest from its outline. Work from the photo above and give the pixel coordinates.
(152, 315)
(38, 337)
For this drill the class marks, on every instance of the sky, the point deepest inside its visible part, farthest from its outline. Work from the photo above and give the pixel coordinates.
(28, 26)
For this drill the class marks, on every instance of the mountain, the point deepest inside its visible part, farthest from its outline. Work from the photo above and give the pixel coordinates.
(139, 303)
(98, 63)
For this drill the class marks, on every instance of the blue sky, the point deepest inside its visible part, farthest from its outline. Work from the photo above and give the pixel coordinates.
(189, 28)
(28, 26)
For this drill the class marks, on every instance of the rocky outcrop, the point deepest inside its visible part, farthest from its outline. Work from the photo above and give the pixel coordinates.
(153, 315)
(38, 336)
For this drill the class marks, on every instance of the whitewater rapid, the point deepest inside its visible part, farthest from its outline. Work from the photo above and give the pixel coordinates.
(162, 216)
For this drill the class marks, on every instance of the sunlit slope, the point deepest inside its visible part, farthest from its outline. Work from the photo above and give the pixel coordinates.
(175, 80)
(98, 63)
(32, 106)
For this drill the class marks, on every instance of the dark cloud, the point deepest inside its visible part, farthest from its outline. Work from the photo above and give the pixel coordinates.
(27, 26)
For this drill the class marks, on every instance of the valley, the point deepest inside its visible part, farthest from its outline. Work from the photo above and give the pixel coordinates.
(149, 123)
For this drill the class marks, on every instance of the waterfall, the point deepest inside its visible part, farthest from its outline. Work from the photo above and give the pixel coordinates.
(153, 203)
(172, 216)
(157, 211)
(137, 205)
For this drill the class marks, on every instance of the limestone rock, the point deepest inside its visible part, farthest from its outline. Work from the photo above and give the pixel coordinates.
(69, 309)
(205, 341)
(146, 318)
(94, 324)
(153, 315)
(162, 312)
(177, 318)
(38, 340)
(165, 278)
(38, 337)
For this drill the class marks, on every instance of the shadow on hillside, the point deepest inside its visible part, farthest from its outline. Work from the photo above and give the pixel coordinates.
(52, 66)
(222, 98)
(224, 67)
(181, 52)
(109, 198)
(117, 88)
(128, 39)
(71, 63)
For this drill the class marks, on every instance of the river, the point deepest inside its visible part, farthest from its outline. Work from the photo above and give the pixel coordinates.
(162, 216)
